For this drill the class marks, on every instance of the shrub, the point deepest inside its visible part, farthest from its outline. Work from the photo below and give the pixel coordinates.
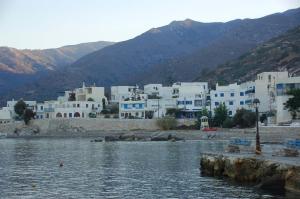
(19, 108)
(220, 114)
(228, 123)
(28, 115)
(107, 116)
(167, 123)
(244, 118)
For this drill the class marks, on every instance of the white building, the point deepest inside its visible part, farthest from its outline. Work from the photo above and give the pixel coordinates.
(70, 109)
(234, 96)
(85, 93)
(5, 115)
(119, 93)
(10, 106)
(283, 85)
(265, 89)
(81, 103)
(190, 97)
(132, 109)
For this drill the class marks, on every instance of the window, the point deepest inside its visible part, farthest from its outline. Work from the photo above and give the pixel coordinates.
(74, 105)
(231, 94)
(41, 116)
(137, 114)
(122, 114)
(231, 103)
(42, 108)
(198, 102)
(65, 115)
(242, 103)
(86, 105)
(241, 93)
(216, 95)
(216, 103)
(133, 105)
(78, 105)
(125, 106)
(140, 105)
(222, 94)
(70, 115)
(229, 112)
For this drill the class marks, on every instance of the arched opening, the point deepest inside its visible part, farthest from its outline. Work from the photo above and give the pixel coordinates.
(58, 115)
(76, 114)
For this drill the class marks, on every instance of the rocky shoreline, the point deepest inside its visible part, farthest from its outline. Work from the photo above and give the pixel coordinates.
(268, 173)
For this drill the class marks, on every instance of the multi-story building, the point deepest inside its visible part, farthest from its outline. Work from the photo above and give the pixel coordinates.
(190, 97)
(85, 93)
(70, 109)
(283, 85)
(119, 93)
(234, 96)
(132, 109)
(265, 89)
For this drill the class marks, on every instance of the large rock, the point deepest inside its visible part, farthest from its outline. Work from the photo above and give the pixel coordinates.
(265, 174)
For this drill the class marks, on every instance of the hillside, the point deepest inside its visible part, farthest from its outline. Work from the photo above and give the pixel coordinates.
(13, 60)
(279, 54)
(175, 52)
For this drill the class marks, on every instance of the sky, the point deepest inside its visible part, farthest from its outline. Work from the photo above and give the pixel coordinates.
(40, 24)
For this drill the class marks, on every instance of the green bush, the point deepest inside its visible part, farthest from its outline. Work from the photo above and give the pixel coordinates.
(167, 123)
(244, 118)
(28, 115)
(228, 123)
(20, 108)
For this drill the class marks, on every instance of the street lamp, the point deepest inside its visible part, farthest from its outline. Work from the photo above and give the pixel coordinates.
(257, 147)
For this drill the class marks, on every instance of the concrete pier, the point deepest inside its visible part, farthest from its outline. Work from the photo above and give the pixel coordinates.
(265, 172)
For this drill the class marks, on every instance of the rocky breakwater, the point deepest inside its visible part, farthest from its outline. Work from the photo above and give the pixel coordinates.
(269, 174)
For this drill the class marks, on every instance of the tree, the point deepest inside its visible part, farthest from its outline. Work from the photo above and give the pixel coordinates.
(103, 103)
(28, 115)
(293, 103)
(19, 108)
(220, 114)
(244, 118)
(72, 97)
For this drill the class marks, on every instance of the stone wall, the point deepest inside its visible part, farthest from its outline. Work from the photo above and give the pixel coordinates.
(50, 126)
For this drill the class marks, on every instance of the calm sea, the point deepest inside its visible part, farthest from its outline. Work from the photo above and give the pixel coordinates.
(29, 168)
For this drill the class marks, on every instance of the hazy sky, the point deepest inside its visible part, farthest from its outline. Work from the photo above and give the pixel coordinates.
(54, 23)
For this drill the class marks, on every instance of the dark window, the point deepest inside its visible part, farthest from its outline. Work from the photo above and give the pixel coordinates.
(222, 94)
(241, 93)
(216, 103)
(232, 94)
(231, 103)
(229, 112)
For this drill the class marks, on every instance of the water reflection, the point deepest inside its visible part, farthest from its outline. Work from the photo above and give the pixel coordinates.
(30, 169)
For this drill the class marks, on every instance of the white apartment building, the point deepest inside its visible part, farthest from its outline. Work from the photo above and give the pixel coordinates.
(265, 89)
(85, 93)
(70, 109)
(283, 85)
(119, 93)
(190, 97)
(132, 109)
(234, 96)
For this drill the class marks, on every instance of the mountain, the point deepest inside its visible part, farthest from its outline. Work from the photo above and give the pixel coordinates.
(32, 61)
(178, 51)
(19, 67)
(278, 54)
